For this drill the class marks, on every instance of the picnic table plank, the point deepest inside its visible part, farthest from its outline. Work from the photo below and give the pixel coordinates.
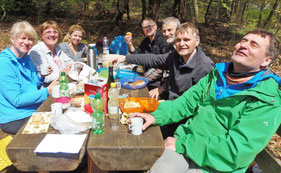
(21, 150)
(121, 150)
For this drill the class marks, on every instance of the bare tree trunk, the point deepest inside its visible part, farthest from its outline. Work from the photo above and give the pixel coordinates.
(175, 9)
(260, 13)
(207, 12)
(143, 16)
(127, 9)
(243, 11)
(153, 9)
(196, 14)
(182, 10)
(271, 13)
(218, 10)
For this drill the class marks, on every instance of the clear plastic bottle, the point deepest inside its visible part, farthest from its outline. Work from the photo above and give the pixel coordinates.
(64, 89)
(98, 115)
(113, 104)
(105, 46)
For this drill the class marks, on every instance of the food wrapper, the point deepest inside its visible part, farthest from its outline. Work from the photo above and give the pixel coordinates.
(125, 118)
(38, 123)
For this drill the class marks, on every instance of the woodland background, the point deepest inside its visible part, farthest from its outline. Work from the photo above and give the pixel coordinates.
(221, 22)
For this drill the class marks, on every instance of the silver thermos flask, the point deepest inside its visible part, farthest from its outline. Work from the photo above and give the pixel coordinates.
(92, 57)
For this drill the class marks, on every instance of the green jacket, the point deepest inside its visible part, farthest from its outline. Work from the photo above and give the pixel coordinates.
(237, 128)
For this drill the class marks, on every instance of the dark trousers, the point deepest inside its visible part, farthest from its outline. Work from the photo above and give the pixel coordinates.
(169, 129)
(14, 126)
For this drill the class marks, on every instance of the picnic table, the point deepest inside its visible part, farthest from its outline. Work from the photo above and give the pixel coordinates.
(121, 150)
(21, 150)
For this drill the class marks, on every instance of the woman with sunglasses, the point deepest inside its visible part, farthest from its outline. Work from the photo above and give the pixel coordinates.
(49, 52)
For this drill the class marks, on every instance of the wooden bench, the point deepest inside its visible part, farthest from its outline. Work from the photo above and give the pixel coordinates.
(268, 162)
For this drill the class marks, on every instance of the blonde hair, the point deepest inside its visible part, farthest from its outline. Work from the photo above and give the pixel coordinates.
(49, 24)
(23, 27)
(72, 29)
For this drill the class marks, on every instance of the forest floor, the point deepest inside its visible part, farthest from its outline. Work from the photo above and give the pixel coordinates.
(217, 40)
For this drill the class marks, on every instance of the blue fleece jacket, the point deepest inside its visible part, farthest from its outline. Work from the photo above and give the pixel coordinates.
(223, 90)
(20, 93)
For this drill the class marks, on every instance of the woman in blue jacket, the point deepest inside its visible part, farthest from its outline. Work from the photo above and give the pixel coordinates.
(20, 93)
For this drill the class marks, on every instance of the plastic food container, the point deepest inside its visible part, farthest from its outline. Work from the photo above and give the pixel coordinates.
(125, 82)
(65, 101)
(148, 104)
(122, 102)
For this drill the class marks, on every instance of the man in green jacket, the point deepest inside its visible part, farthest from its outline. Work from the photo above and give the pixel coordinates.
(233, 112)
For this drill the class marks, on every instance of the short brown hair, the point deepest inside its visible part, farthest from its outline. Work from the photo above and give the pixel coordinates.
(50, 24)
(184, 28)
(273, 49)
(71, 30)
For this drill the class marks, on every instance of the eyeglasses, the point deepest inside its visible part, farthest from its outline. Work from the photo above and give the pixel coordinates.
(49, 32)
(147, 27)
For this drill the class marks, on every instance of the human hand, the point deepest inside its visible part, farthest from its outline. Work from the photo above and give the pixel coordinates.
(67, 69)
(118, 60)
(170, 143)
(154, 93)
(149, 119)
(128, 39)
(55, 82)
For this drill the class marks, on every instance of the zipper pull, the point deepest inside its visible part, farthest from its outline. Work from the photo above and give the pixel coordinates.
(220, 92)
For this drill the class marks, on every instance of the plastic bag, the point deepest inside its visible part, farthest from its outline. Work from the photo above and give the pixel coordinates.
(119, 46)
(66, 125)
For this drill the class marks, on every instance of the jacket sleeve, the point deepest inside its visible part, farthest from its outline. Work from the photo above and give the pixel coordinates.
(182, 107)
(38, 57)
(149, 60)
(12, 91)
(236, 148)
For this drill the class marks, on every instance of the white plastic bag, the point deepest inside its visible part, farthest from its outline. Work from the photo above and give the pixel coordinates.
(80, 71)
(66, 125)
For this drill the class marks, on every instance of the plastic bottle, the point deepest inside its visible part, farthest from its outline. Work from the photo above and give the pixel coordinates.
(64, 89)
(113, 104)
(98, 115)
(105, 46)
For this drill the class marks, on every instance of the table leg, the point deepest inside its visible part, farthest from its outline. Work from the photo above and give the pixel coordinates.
(93, 168)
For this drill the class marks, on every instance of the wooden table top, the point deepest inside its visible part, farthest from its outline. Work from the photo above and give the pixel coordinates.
(121, 150)
(21, 150)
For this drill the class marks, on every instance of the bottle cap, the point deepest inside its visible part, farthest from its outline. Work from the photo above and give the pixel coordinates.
(97, 95)
(62, 73)
(113, 85)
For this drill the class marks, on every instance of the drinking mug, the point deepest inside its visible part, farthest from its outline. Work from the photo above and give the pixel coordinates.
(136, 125)
(56, 108)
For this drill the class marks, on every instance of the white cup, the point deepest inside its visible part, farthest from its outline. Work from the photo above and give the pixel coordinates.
(56, 91)
(56, 108)
(136, 125)
(44, 69)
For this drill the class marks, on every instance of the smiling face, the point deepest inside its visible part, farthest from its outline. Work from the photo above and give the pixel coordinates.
(149, 28)
(76, 37)
(250, 54)
(21, 44)
(186, 43)
(50, 37)
(169, 31)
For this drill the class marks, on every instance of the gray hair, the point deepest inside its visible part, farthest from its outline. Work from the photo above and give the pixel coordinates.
(23, 27)
(172, 20)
